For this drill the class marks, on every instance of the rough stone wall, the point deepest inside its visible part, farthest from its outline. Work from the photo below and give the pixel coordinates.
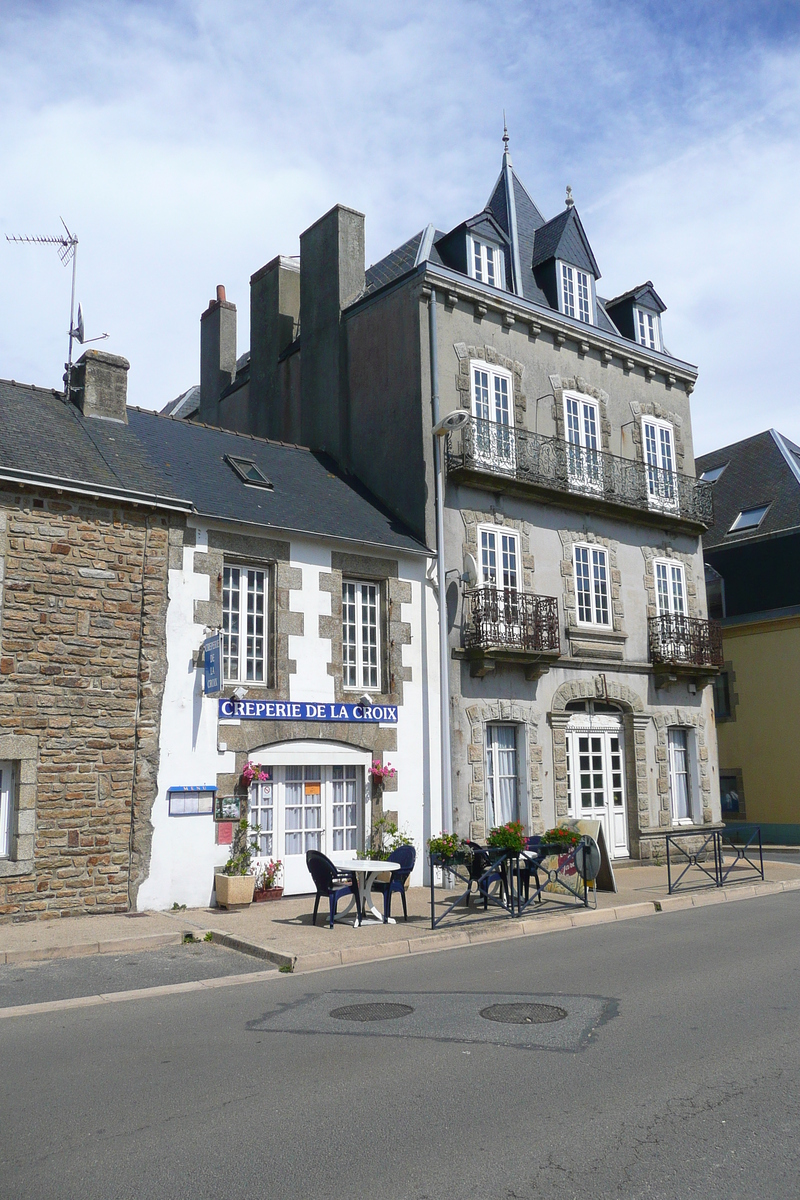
(82, 667)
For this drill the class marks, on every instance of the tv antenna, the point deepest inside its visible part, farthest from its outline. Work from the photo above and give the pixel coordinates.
(67, 244)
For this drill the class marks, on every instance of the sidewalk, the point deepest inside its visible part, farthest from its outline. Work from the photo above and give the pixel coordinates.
(281, 931)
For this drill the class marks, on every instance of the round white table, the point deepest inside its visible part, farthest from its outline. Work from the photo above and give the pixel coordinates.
(365, 871)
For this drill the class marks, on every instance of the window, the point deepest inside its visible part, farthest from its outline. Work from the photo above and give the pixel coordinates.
(670, 587)
(659, 457)
(723, 709)
(647, 329)
(486, 262)
(749, 518)
(731, 794)
(582, 424)
(6, 808)
(303, 798)
(492, 395)
(713, 473)
(501, 775)
(576, 293)
(262, 813)
(247, 471)
(244, 606)
(679, 782)
(591, 585)
(499, 557)
(345, 808)
(360, 634)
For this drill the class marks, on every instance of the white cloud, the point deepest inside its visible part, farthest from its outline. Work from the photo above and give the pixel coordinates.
(189, 143)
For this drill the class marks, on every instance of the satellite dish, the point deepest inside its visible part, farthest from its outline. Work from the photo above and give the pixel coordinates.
(470, 575)
(587, 858)
(453, 420)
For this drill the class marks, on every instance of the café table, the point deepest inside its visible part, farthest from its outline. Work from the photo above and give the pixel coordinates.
(365, 871)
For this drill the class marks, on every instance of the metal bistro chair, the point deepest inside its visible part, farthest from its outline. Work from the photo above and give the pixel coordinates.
(481, 862)
(331, 882)
(406, 856)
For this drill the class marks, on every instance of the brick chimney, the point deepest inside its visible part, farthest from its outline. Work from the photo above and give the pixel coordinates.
(100, 385)
(217, 354)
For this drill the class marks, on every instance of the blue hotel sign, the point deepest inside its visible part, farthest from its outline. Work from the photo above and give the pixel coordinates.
(212, 665)
(293, 710)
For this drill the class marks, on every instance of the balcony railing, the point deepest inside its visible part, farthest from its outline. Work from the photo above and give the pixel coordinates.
(506, 619)
(557, 465)
(678, 641)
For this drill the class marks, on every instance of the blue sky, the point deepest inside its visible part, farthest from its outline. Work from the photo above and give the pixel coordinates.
(188, 143)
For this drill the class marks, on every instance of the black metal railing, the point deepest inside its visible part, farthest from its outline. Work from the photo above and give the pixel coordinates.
(507, 619)
(704, 853)
(679, 641)
(555, 464)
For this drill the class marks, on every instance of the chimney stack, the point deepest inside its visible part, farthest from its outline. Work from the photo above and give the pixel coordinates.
(217, 354)
(100, 385)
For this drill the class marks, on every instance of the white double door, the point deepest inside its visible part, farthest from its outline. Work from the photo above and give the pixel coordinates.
(304, 807)
(596, 777)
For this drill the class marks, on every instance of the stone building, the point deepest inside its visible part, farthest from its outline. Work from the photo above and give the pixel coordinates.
(579, 649)
(125, 539)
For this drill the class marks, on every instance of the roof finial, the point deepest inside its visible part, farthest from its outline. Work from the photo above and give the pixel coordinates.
(505, 134)
(569, 202)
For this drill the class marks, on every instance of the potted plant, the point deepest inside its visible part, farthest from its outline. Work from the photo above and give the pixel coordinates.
(378, 774)
(267, 880)
(560, 840)
(386, 838)
(510, 836)
(235, 883)
(447, 848)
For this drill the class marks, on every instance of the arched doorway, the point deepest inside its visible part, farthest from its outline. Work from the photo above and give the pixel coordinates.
(596, 770)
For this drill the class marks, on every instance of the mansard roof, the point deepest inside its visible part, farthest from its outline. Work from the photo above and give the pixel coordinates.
(564, 237)
(760, 470)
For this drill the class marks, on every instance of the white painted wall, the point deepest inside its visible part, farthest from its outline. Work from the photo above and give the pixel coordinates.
(184, 853)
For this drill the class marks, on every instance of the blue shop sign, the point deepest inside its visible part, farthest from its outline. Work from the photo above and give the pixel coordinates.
(299, 710)
(212, 665)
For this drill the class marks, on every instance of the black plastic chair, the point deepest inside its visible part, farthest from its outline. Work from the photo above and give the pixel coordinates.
(530, 866)
(481, 875)
(331, 882)
(406, 856)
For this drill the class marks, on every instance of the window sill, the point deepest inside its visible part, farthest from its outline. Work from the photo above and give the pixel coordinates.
(10, 867)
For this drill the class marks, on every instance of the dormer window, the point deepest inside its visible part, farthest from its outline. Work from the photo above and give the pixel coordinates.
(576, 293)
(486, 262)
(647, 331)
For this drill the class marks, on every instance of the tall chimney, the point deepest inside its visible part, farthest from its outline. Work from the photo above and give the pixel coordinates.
(100, 385)
(217, 354)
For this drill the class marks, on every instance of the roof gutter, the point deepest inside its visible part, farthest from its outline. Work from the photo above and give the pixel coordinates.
(103, 492)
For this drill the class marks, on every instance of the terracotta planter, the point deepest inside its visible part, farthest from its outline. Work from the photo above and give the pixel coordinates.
(234, 891)
(273, 893)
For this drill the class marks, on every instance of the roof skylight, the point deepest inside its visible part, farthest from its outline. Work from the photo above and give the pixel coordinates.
(749, 518)
(248, 472)
(713, 473)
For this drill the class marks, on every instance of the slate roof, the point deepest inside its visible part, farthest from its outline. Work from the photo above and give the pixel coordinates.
(184, 405)
(182, 464)
(393, 266)
(764, 469)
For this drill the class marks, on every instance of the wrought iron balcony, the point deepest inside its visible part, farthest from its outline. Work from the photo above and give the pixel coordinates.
(586, 478)
(680, 642)
(504, 619)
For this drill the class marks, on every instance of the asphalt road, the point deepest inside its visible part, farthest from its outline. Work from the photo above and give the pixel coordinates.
(673, 1073)
(97, 974)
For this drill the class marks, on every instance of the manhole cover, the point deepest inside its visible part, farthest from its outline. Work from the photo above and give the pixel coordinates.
(372, 1012)
(523, 1014)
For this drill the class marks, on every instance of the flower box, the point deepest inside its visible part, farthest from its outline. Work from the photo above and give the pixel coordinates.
(273, 893)
(234, 891)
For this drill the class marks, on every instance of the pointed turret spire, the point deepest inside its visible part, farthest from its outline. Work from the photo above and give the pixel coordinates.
(507, 174)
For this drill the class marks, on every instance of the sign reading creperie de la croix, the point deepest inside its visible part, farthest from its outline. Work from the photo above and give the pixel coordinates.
(300, 710)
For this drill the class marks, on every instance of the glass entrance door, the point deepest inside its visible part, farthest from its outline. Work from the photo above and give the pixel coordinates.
(596, 778)
(309, 807)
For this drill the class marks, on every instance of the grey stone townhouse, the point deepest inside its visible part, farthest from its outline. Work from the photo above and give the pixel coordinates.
(579, 653)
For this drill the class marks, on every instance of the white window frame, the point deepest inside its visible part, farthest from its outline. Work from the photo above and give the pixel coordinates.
(647, 325)
(672, 762)
(248, 662)
(494, 775)
(6, 808)
(479, 251)
(492, 403)
(584, 462)
(576, 294)
(598, 568)
(507, 561)
(366, 656)
(666, 573)
(659, 461)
